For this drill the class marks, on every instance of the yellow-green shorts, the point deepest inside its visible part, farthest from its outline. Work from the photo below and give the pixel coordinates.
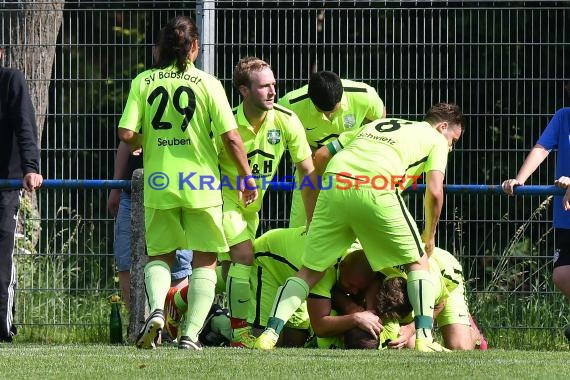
(184, 228)
(456, 310)
(239, 224)
(380, 219)
(265, 280)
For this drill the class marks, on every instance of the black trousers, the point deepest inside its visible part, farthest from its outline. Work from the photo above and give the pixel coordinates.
(9, 205)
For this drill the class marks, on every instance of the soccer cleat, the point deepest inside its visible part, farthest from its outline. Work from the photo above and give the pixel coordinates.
(172, 314)
(186, 343)
(215, 332)
(424, 345)
(150, 333)
(242, 338)
(267, 340)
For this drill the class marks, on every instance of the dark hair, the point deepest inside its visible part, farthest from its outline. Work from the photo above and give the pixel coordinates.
(445, 112)
(244, 68)
(175, 42)
(392, 300)
(356, 338)
(325, 90)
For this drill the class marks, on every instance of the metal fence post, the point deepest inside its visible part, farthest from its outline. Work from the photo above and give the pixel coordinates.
(206, 20)
(138, 310)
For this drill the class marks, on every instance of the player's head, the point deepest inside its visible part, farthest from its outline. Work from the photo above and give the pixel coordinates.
(325, 91)
(177, 43)
(356, 338)
(392, 302)
(355, 275)
(255, 81)
(447, 119)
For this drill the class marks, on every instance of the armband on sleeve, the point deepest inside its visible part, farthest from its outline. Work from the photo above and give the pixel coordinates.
(334, 147)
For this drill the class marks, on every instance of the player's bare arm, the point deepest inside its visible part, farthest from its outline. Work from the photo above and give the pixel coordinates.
(537, 154)
(309, 193)
(433, 204)
(326, 325)
(321, 158)
(119, 172)
(234, 146)
(131, 138)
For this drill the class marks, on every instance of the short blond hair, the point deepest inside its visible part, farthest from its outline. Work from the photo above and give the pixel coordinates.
(244, 68)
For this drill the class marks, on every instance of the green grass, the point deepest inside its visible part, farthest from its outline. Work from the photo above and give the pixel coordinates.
(19, 361)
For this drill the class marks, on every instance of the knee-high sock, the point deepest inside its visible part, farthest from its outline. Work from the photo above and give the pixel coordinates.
(238, 290)
(421, 295)
(201, 292)
(288, 299)
(157, 283)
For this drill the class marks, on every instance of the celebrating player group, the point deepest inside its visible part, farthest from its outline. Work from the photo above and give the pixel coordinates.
(352, 270)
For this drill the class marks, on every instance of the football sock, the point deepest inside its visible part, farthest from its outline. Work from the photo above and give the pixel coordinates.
(288, 299)
(421, 295)
(201, 292)
(238, 290)
(181, 298)
(157, 283)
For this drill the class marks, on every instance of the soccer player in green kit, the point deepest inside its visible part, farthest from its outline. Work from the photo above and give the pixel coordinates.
(278, 256)
(451, 311)
(356, 206)
(328, 106)
(267, 130)
(172, 112)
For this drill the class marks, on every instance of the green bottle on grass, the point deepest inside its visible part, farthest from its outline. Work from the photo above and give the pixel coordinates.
(115, 323)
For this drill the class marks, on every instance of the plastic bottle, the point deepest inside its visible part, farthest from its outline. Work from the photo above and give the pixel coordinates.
(115, 323)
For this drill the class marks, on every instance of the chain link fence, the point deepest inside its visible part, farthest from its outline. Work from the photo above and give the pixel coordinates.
(505, 63)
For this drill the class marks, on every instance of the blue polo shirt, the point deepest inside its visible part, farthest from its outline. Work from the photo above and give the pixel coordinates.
(557, 135)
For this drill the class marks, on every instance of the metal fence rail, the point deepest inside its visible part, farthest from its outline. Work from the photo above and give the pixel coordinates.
(505, 64)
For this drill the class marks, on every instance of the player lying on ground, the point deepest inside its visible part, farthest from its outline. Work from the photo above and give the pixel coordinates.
(277, 257)
(451, 312)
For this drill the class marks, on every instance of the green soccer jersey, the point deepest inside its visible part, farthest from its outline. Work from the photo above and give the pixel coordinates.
(177, 114)
(445, 273)
(360, 103)
(389, 151)
(280, 252)
(450, 268)
(280, 130)
(440, 285)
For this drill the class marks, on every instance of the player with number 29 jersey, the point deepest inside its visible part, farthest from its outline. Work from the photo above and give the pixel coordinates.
(181, 112)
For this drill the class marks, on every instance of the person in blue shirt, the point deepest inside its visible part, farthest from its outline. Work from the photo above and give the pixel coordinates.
(556, 135)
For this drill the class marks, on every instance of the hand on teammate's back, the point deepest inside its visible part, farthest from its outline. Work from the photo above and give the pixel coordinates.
(248, 191)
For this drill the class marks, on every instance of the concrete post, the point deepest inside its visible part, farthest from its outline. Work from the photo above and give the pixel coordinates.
(139, 309)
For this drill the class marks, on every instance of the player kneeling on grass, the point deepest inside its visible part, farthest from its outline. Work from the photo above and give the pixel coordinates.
(451, 312)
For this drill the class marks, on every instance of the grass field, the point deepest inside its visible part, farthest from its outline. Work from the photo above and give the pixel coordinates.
(105, 362)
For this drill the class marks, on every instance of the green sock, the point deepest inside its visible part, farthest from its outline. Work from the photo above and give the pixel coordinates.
(157, 283)
(238, 290)
(420, 292)
(201, 292)
(179, 301)
(288, 299)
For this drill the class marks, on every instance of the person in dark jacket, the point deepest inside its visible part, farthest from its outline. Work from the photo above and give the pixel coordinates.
(19, 158)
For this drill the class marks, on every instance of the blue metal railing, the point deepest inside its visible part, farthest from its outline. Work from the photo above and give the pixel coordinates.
(126, 184)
